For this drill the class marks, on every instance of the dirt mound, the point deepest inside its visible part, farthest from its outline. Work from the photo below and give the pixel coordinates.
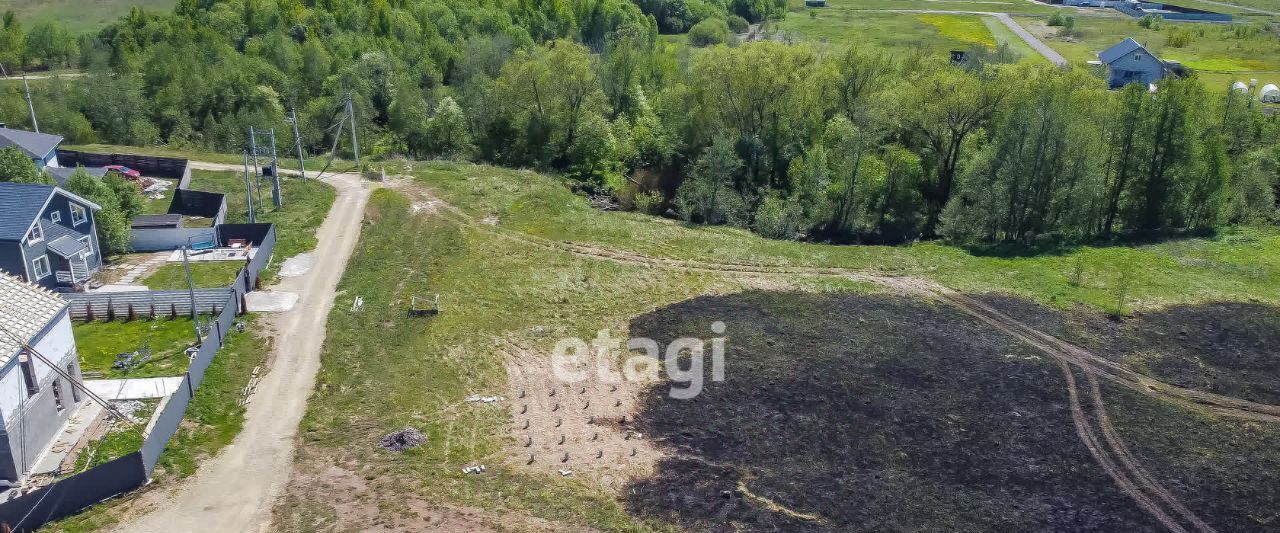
(398, 441)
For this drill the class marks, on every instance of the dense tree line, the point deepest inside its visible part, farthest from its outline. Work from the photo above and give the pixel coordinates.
(791, 140)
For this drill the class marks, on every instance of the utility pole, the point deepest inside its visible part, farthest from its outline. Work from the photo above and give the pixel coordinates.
(191, 290)
(355, 145)
(275, 173)
(297, 144)
(248, 188)
(257, 174)
(27, 88)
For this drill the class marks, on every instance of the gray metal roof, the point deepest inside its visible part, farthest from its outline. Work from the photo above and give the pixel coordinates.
(62, 174)
(25, 310)
(34, 144)
(1127, 46)
(22, 203)
(157, 221)
(67, 247)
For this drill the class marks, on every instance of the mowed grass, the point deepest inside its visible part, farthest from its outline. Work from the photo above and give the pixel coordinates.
(1218, 54)
(80, 16)
(204, 275)
(1238, 264)
(98, 343)
(383, 370)
(900, 31)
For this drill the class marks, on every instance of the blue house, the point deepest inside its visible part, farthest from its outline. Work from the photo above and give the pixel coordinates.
(48, 236)
(42, 148)
(1130, 62)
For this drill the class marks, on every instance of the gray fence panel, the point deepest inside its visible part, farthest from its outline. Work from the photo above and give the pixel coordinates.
(104, 305)
(166, 425)
(70, 495)
(162, 239)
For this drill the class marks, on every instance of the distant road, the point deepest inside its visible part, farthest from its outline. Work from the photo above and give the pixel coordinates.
(1049, 53)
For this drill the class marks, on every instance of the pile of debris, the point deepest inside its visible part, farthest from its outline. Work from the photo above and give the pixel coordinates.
(398, 441)
(153, 188)
(604, 202)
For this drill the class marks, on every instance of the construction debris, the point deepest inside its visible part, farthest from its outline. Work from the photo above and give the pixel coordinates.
(477, 469)
(476, 398)
(402, 440)
(565, 472)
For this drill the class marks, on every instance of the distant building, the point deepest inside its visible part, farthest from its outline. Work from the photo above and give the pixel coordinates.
(48, 236)
(40, 147)
(815, 3)
(1130, 62)
(35, 401)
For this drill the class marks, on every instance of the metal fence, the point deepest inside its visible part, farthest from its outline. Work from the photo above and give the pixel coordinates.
(144, 304)
(72, 494)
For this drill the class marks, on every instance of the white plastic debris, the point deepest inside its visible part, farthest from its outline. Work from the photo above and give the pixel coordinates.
(476, 398)
(565, 472)
(477, 469)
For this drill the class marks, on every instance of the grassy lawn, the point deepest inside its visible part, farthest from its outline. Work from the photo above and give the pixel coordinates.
(902, 31)
(1004, 36)
(305, 206)
(99, 342)
(1217, 52)
(214, 417)
(1238, 264)
(204, 275)
(160, 206)
(80, 16)
(821, 412)
(999, 6)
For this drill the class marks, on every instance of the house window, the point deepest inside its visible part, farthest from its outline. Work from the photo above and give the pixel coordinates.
(87, 242)
(28, 373)
(57, 395)
(78, 215)
(40, 266)
(1137, 57)
(55, 216)
(36, 234)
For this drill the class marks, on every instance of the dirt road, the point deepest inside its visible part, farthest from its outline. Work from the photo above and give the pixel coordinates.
(235, 491)
(1049, 53)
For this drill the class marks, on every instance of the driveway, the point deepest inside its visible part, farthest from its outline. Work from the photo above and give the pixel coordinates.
(1049, 53)
(236, 490)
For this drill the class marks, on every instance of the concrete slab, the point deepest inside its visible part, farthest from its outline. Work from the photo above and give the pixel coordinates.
(270, 301)
(297, 265)
(77, 424)
(134, 389)
(216, 254)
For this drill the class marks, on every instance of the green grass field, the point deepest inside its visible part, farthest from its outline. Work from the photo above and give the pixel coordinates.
(812, 352)
(99, 342)
(204, 275)
(80, 16)
(1215, 51)
(937, 33)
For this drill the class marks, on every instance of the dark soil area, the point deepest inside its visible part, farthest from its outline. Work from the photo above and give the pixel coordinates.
(1227, 471)
(868, 413)
(1227, 348)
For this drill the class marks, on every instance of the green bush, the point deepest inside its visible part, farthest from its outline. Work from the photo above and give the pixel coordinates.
(709, 32)
(1057, 19)
(1178, 38)
(738, 24)
(778, 217)
(648, 202)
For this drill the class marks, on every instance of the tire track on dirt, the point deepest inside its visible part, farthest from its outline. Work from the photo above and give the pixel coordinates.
(1110, 370)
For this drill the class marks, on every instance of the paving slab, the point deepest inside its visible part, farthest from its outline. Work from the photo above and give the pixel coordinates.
(135, 388)
(270, 301)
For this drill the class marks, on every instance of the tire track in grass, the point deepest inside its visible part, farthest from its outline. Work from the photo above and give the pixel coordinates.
(1108, 450)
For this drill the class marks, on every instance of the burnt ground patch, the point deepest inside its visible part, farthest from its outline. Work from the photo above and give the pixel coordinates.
(868, 413)
(1227, 348)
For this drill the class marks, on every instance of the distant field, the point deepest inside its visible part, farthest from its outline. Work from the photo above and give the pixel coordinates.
(1215, 51)
(79, 15)
(995, 6)
(889, 30)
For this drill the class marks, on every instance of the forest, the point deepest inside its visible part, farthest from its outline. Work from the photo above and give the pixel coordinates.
(792, 140)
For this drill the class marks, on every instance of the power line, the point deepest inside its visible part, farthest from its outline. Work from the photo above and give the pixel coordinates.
(74, 382)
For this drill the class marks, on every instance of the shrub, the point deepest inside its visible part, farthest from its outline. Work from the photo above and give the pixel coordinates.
(778, 217)
(1057, 19)
(709, 32)
(1178, 38)
(648, 202)
(738, 24)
